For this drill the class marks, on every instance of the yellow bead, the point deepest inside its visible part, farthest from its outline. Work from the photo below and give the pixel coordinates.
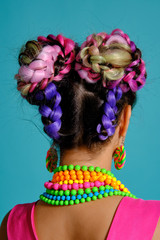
(76, 181)
(70, 181)
(119, 182)
(81, 181)
(60, 182)
(114, 179)
(109, 177)
(104, 177)
(66, 181)
(125, 190)
(122, 186)
(86, 180)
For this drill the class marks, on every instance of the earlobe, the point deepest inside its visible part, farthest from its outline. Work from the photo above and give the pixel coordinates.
(125, 118)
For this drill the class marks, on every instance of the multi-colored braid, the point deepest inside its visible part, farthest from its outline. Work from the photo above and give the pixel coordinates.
(110, 109)
(43, 62)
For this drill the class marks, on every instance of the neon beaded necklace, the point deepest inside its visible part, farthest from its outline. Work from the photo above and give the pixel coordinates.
(75, 184)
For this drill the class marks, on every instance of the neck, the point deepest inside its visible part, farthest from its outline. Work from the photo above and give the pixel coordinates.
(82, 156)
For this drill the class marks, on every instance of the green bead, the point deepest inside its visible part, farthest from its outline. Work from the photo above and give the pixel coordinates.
(84, 168)
(46, 200)
(107, 187)
(52, 202)
(66, 202)
(76, 201)
(77, 167)
(103, 170)
(64, 167)
(112, 175)
(101, 188)
(91, 168)
(110, 193)
(127, 194)
(82, 200)
(94, 198)
(115, 193)
(57, 202)
(52, 192)
(47, 191)
(80, 191)
(49, 201)
(100, 196)
(123, 193)
(71, 202)
(61, 202)
(73, 192)
(70, 167)
(67, 192)
(55, 170)
(94, 189)
(97, 169)
(88, 199)
(108, 172)
(87, 190)
(61, 193)
(60, 168)
(56, 192)
(105, 194)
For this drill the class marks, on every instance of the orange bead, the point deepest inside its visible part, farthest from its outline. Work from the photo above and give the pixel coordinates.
(60, 173)
(87, 177)
(99, 174)
(108, 181)
(117, 187)
(93, 173)
(95, 178)
(56, 174)
(101, 179)
(80, 177)
(113, 184)
(66, 172)
(79, 172)
(62, 178)
(73, 177)
(67, 177)
(86, 173)
(72, 172)
(57, 179)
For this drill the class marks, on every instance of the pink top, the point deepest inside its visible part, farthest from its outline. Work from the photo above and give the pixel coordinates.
(134, 219)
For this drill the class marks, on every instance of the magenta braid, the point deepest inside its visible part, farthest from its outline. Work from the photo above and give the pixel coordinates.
(110, 109)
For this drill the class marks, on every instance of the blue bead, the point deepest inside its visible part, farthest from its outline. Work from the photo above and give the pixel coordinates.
(107, 191)
(96, 194)
(90, 194)
(79, 196)
(73, 198)
(111, 190)
(50, 196)
(47, 195)
(63, 198)
(44, 194)
(54, 198)
(68, 198)
(101, 192)
(84, 195)
(58, 198)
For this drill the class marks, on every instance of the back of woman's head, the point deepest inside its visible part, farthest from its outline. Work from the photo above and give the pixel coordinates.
(81, 90)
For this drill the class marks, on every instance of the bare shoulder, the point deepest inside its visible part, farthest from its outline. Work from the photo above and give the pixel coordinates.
(3, 227)
(156, 235)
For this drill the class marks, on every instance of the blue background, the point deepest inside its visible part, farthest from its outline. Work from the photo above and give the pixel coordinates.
(24, 146)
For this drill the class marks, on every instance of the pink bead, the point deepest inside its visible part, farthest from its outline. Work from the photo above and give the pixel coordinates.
(97, 184)
(56, 186)
(92, 184)
(75, 186)
(49, 185)
(69, 186)
(102, 183)
(81, 185)
(64, 187)
(46, 185)
(86, 185)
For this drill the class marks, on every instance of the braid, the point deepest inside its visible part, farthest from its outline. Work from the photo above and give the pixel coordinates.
(110, 109)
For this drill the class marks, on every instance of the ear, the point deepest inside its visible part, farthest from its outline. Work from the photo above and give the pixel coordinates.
(124, 122)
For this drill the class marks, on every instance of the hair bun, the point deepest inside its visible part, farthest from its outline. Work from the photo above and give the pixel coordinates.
(113, 59)
(43, 61)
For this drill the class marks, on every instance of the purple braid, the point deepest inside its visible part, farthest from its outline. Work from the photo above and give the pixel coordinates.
(52, 111)
(110, 109)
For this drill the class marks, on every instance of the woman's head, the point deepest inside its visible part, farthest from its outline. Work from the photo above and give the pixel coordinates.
(82, 90)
